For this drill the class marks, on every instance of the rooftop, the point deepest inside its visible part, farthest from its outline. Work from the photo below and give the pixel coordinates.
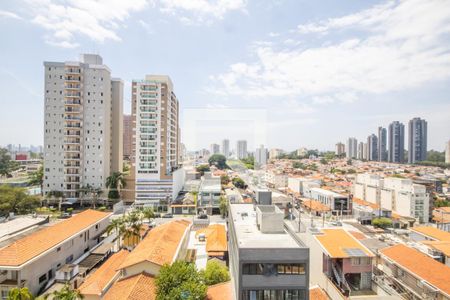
(138, 287)
(96, 282)
(216, 239)
(160, 246)
(248, 234)
(220, 291)
(338, 243)
(432, 232)
(18, 224)
(211, 185)
(421, 265)
(326, 192)
(33, 245)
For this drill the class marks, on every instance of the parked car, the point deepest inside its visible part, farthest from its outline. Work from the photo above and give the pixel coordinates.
(202, 216)
(337, 223)
(168, 216)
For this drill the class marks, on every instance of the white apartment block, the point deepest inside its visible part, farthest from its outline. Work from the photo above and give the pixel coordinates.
(275, 179)
(397, 194)
(368, 187)
(241, 149)
(261, 156)
(83, 124)
(406, 198)
(214, 149)
(155, 109)
(226, 148)
(274, 153)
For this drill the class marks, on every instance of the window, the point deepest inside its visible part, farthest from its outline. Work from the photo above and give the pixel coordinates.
(58, 249)
(43, 278)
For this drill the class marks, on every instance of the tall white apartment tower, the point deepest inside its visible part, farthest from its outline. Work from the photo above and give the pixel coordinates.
(82, 125)
(155, 109)
(241, 149)
(214, 149)
(261, 155)
(226, 148)
(352, 146)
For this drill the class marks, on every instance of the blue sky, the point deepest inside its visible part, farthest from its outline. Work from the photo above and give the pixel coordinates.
(316, 71)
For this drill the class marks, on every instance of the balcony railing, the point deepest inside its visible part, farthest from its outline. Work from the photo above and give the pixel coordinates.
(72, 78)
(73, 70)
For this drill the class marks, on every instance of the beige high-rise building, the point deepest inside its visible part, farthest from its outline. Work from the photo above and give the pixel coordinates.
(155, 110)
(127, 137)
(447, 153)
(83, 125)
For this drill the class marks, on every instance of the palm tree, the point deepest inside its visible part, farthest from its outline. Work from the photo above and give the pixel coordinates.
(93, 192)
(133, 223)
(148, 214)
(67, 293)
(58, 195)
(115, 183)
(117, 225)
(19, 294)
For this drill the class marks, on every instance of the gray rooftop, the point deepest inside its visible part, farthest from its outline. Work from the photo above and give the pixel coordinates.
(248, 234)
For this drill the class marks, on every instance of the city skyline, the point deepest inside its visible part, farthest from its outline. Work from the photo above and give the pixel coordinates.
(255, 69)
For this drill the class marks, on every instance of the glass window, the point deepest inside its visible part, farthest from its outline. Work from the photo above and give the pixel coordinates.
(288, 269)
(295, 269)
(280, 269)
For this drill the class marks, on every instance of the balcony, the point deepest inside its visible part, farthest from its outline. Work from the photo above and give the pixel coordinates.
(72, 149)
(73, 70)
(72, 133)
(72, 86)
(72, 94)
(72, 118)
(72, 110)
(72, 102)
(11, 283)
(72, 78)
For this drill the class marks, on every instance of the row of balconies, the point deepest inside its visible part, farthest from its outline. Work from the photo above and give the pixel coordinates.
(73, 133)
(73, 78)
(72, 102)
(72, 86)
(73, 70)
(72, 141)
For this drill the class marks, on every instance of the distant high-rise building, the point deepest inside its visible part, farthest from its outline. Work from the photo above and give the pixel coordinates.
(127, 136)
(447, 153)
(261, 156)
(417, 142)
(396, 139)
(360, 150)
(365, 151)
(241, 149)
(83, 125)
(382, 143)
(156, 108)
(352, 146)
(372, 147)
(302, 152)
(214, 149)
(226, 148)
(275, 153)
(340, 149)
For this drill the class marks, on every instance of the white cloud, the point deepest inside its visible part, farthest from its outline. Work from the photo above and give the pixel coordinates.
(97, 20)
(201, 11)
(390, 47)
(8, 14)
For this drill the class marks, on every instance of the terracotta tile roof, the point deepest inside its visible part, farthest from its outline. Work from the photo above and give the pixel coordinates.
(358, 235)
(37, 243)
(337, 241)
(443, 247)
(365, 203)
(138, 287)
(220, 291)
(160, 245)
(316, 293)
(315, 205)
(98, 281)
(420, 264)
(216, 238)
(433, 233)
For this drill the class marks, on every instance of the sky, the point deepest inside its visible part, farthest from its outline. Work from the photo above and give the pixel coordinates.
(283, 73)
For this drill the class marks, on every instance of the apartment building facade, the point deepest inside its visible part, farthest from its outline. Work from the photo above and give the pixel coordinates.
(214, 149)
(127, 137)
(340, 149)
(82, 125)
(261, 155)
(396, 148)
(417, 141)
(241, 149)
(368, 187)
(382, 144)
(339, 204)
(155, 108)
(33, 260)
(266, 260)
(352, 148)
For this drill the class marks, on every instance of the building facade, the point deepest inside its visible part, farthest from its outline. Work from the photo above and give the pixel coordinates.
(226, 148)
(372, 147)
(447, 153)
(82, 125)
(340, 149)
(156, 109)
(127, 137)
(261, 156)
(352, 148)
(241, 149)
(360, 150)
(396, 147)
(382, 144)
(417, 141)
(267, 261)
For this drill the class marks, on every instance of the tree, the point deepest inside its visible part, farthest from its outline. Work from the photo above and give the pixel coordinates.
(224, 179)
(435, 156)
(133, 223)
(93, 193)
(249, 162)
(218, 160)
(298, 165)
(382, 222)
(118, 226)
(59, 195)
(16, 200)
(115, 182)
(6, 164)
(215, 273)
(19, 294)
(180, 281)
(223, 206)
(323, 161)
(148, 213)
(202, 169)
(37, 178)
(239, 183)
(67, 293)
